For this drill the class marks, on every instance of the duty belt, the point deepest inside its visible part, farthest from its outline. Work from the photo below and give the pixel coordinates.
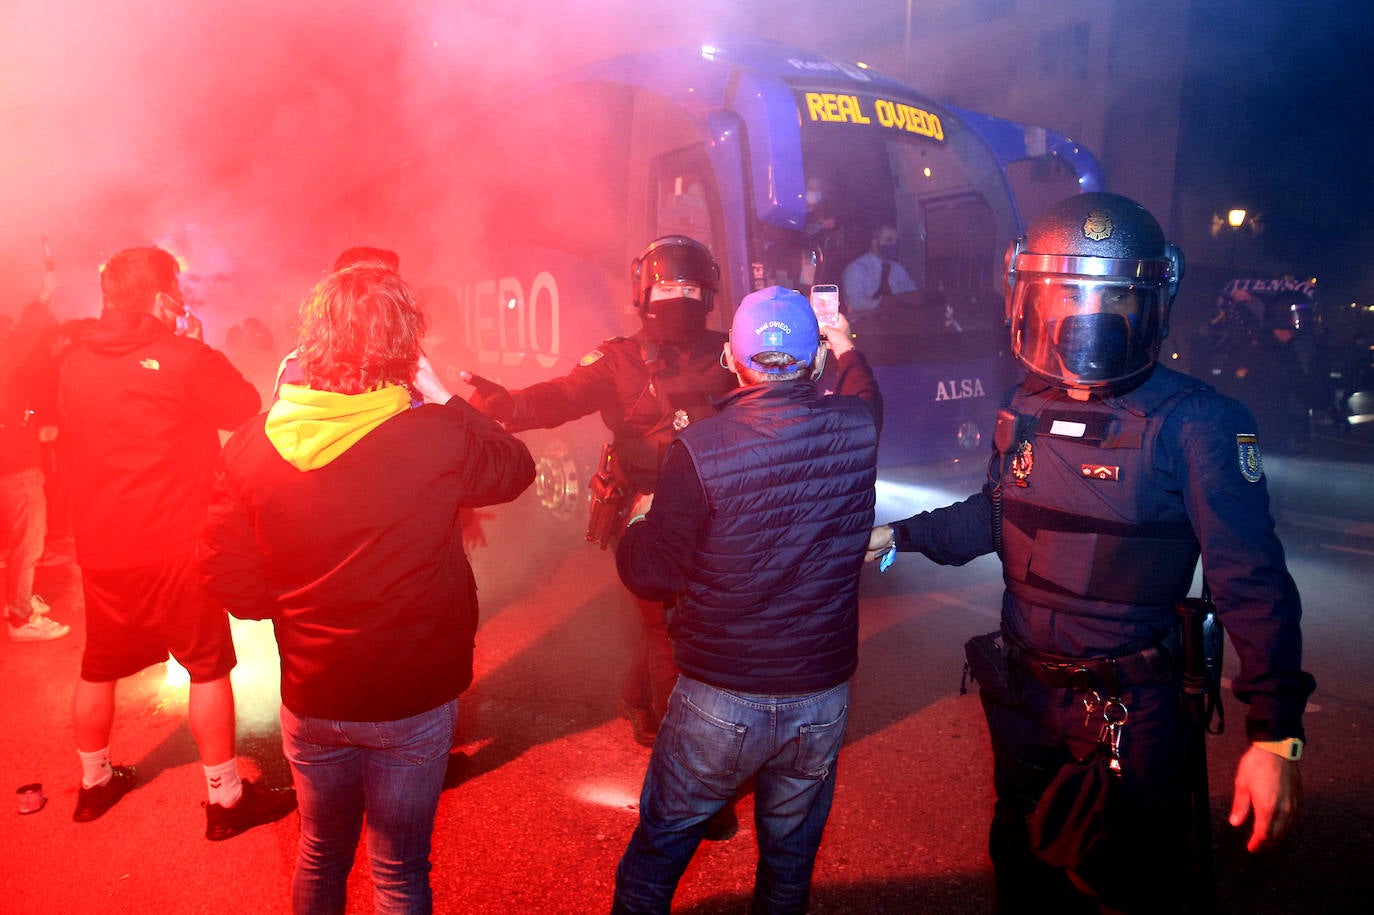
(1108, 675)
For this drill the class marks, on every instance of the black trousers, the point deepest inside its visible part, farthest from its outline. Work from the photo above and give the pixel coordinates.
(1142, 864)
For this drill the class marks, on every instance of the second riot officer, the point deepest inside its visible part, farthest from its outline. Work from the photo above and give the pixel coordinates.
(1112, 475)
(646, 387)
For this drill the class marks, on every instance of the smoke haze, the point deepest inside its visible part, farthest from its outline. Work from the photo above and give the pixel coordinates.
(226, 132)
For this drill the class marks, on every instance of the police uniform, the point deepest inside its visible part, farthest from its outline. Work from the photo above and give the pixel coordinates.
(644, 390)
(1111, 477)
(1103, 508)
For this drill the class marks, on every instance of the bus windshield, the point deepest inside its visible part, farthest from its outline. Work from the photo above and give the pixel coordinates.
(888, 181)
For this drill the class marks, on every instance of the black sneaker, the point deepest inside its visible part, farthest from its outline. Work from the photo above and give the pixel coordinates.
(91, 803)
(256, 807)
(643, 723)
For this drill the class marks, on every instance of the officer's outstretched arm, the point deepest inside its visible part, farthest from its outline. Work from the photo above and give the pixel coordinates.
(1270, 787)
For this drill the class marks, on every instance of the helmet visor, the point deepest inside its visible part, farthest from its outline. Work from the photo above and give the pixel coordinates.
(1086, 331)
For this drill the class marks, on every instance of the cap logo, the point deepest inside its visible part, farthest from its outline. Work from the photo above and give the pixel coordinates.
(773, 333)
(1098, 225)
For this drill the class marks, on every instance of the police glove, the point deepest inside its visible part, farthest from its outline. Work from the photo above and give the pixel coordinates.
(490, 398)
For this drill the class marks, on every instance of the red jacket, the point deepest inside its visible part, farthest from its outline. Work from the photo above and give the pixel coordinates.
(359, 560)
(141, 412)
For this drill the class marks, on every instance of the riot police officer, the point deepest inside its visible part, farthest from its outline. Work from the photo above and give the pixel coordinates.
(645, 387)
(1111, 475)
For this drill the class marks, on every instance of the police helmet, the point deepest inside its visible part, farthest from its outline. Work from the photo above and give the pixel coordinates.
(674, 259)
(1089, 287)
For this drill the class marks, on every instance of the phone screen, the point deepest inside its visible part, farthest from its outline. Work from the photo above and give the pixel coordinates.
(825, 302)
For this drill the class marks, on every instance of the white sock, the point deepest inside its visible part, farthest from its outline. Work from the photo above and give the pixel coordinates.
(223, 783)
(95, 768)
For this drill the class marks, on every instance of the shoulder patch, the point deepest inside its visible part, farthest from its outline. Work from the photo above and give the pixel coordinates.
(591, 358)
(1247, 452)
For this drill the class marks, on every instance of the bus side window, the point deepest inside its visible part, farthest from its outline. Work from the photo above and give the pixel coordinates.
(682, 208)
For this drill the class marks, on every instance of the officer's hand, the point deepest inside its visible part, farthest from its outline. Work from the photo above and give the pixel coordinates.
(1270, 787)
(879, 540)
(839, 337)
(427, 383)
(489, 397)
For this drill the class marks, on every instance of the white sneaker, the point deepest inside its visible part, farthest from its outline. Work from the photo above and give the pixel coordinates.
(38, 629)
(39, 606)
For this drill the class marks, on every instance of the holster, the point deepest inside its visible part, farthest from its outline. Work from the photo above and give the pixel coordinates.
(987, 662)
(611, 499)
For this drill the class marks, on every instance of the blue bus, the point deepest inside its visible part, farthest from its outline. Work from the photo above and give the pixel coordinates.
(529, 225)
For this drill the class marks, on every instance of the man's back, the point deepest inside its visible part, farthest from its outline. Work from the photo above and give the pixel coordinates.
(142, 406)
(788, 476)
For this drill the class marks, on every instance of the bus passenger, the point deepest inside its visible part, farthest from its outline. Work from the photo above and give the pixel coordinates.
(873, 277)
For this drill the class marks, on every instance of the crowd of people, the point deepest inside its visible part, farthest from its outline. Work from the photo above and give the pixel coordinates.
(738, 496)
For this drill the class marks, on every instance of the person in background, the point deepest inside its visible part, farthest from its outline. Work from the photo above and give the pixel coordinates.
(759, 522)
(1112, 474)
(27, 421)
(335, 515)
(874, 276)
(142, 399)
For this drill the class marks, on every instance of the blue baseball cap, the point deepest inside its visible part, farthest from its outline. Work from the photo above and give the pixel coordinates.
(774, 320)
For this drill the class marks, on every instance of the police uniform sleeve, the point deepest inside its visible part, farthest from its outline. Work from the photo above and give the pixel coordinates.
(1227, 501)
(952, 535)
(584, 390)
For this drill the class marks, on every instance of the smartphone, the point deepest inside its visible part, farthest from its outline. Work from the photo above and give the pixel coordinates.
(825, 302)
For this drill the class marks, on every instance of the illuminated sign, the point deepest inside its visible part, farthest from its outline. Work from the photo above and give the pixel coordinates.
(841, 108)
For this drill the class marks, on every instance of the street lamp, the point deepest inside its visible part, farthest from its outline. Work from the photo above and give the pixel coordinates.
(1235, 218)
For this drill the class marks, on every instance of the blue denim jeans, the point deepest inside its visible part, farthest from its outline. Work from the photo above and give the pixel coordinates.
(708, 746)
(393, 771)
(23, 524)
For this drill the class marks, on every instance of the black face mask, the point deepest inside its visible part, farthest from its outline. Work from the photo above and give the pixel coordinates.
(680, 320)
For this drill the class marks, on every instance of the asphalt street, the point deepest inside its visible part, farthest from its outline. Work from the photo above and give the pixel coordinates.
(547, 797)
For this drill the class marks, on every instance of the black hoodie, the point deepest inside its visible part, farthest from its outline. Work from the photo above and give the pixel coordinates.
(142, 407)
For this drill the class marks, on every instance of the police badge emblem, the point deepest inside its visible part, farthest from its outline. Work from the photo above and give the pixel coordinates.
(680, 420)
(1098, 225)
(1022, 463)
(1251, 464)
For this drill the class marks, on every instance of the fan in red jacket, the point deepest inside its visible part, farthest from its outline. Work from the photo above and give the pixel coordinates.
(337, 517)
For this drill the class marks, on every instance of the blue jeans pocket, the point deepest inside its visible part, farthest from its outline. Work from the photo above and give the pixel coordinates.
(709, 746)
(819, 744)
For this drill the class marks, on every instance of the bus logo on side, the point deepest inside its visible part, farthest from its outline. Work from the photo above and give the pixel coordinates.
(502, 325)
(959, 389)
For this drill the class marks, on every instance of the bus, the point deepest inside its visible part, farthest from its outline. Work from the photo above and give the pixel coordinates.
(523, 222)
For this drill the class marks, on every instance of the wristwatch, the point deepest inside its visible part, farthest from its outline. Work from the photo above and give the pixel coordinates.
(1290, 748)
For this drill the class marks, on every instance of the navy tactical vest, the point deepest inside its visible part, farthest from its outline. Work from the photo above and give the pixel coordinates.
(773, 605)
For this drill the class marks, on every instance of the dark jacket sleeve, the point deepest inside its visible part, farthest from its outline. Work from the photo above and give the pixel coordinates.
(855, 379)
(218, 392)
(952, 535)
(657, 556)
(231, 565)
(497, 465)
(1256, 599)
(549, 404)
